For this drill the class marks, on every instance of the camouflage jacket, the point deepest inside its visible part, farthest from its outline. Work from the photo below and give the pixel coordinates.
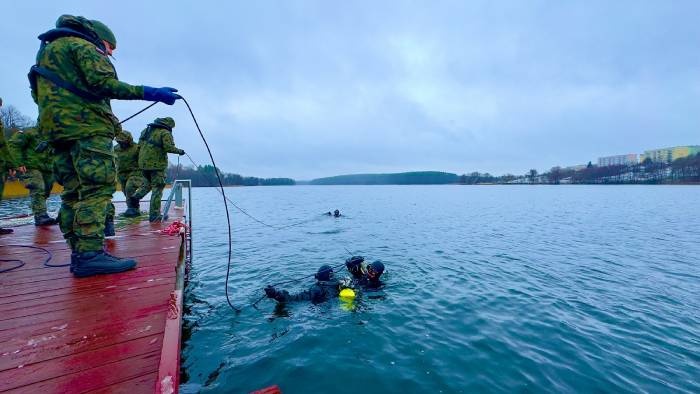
(23, 149)
(65, 115)
(127, 160)
(6, 159)
(155, 143)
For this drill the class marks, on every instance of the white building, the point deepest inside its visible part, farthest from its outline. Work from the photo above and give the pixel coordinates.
(618, 160)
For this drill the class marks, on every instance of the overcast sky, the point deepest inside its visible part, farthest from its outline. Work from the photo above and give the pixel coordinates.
(306, 89)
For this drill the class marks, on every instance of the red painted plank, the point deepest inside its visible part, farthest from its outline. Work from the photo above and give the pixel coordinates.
(36, 306)
(70, 293)
(96, 378)
(169, 367)
(65, 279)
(13, 340)
(87, 304)
(73, 339)
(156, 273)
(105, 333)
(141, 384)
(77, 362)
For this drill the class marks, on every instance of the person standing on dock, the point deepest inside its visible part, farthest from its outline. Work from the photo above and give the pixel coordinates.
(38, 178)
(7, 166)
(128, 171)
(73, 82)
(155, 143)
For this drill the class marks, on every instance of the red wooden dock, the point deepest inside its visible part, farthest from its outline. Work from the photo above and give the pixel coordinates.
(108, 333)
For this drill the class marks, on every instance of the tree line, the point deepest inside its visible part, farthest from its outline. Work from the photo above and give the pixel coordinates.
(204, 176)
(682, 170)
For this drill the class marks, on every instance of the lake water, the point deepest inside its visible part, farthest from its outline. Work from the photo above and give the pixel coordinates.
(488, 289)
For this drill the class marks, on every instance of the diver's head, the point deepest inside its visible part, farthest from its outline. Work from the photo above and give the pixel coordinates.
(354, 265)
(324, 273)
(375, 270)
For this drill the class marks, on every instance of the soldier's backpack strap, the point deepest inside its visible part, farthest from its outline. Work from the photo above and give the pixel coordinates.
(60, 82)
(36, 69)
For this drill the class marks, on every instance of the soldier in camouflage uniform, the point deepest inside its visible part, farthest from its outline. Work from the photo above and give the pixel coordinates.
(7, 165)
(128, 171)
(155, 143)
(38, 177)
(72, 82)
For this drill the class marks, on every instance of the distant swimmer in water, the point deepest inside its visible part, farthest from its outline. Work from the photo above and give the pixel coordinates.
(326, 287)
(364, 275)
(336, 213)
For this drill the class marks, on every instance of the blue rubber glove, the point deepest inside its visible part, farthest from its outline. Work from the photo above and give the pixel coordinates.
(164, 95)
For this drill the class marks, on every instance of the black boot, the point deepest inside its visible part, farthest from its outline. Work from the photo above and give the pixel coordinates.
(96, 263)
(73, 259)
(44, 220)
(109, 227)
(5, 231)
(131, 213)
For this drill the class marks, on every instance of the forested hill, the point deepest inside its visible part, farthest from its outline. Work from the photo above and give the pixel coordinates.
(404, 178)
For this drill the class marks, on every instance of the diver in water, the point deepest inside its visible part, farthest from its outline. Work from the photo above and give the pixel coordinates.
(336, 213)
(364, 275)
(326, 287)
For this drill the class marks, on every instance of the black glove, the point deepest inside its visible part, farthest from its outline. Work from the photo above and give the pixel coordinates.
(270, 292)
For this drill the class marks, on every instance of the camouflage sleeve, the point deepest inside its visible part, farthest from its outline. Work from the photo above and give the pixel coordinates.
(101, 77)
(17, 146)
(168, 143)
(119, 134)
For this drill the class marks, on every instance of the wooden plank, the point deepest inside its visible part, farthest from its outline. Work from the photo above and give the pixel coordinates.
(61, 277)
(152, 273)
(169, 367)
(96, 378)
(73, 339)
(77, 362)
(142, 384)
(104, 333)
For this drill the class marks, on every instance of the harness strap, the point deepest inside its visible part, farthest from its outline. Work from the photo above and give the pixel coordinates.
(62, 83)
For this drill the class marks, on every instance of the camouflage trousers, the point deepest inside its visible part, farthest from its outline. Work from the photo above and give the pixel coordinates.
(130, 185)
(39, 184)
(87, 171)
(154, 182)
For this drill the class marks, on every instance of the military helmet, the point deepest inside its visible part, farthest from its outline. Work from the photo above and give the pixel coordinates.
(167, 122)
(377, 267)
(325, 273)
(104, 33)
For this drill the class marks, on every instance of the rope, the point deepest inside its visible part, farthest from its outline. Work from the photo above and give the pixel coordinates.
(243, 211)
(138, 113)
(226, 201)
(223, 193)
(20, 263)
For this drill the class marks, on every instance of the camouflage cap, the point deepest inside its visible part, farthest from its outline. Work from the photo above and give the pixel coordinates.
(104, 33)
(167, 122)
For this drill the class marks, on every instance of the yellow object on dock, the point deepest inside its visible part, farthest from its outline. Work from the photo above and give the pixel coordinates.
(15, 189)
